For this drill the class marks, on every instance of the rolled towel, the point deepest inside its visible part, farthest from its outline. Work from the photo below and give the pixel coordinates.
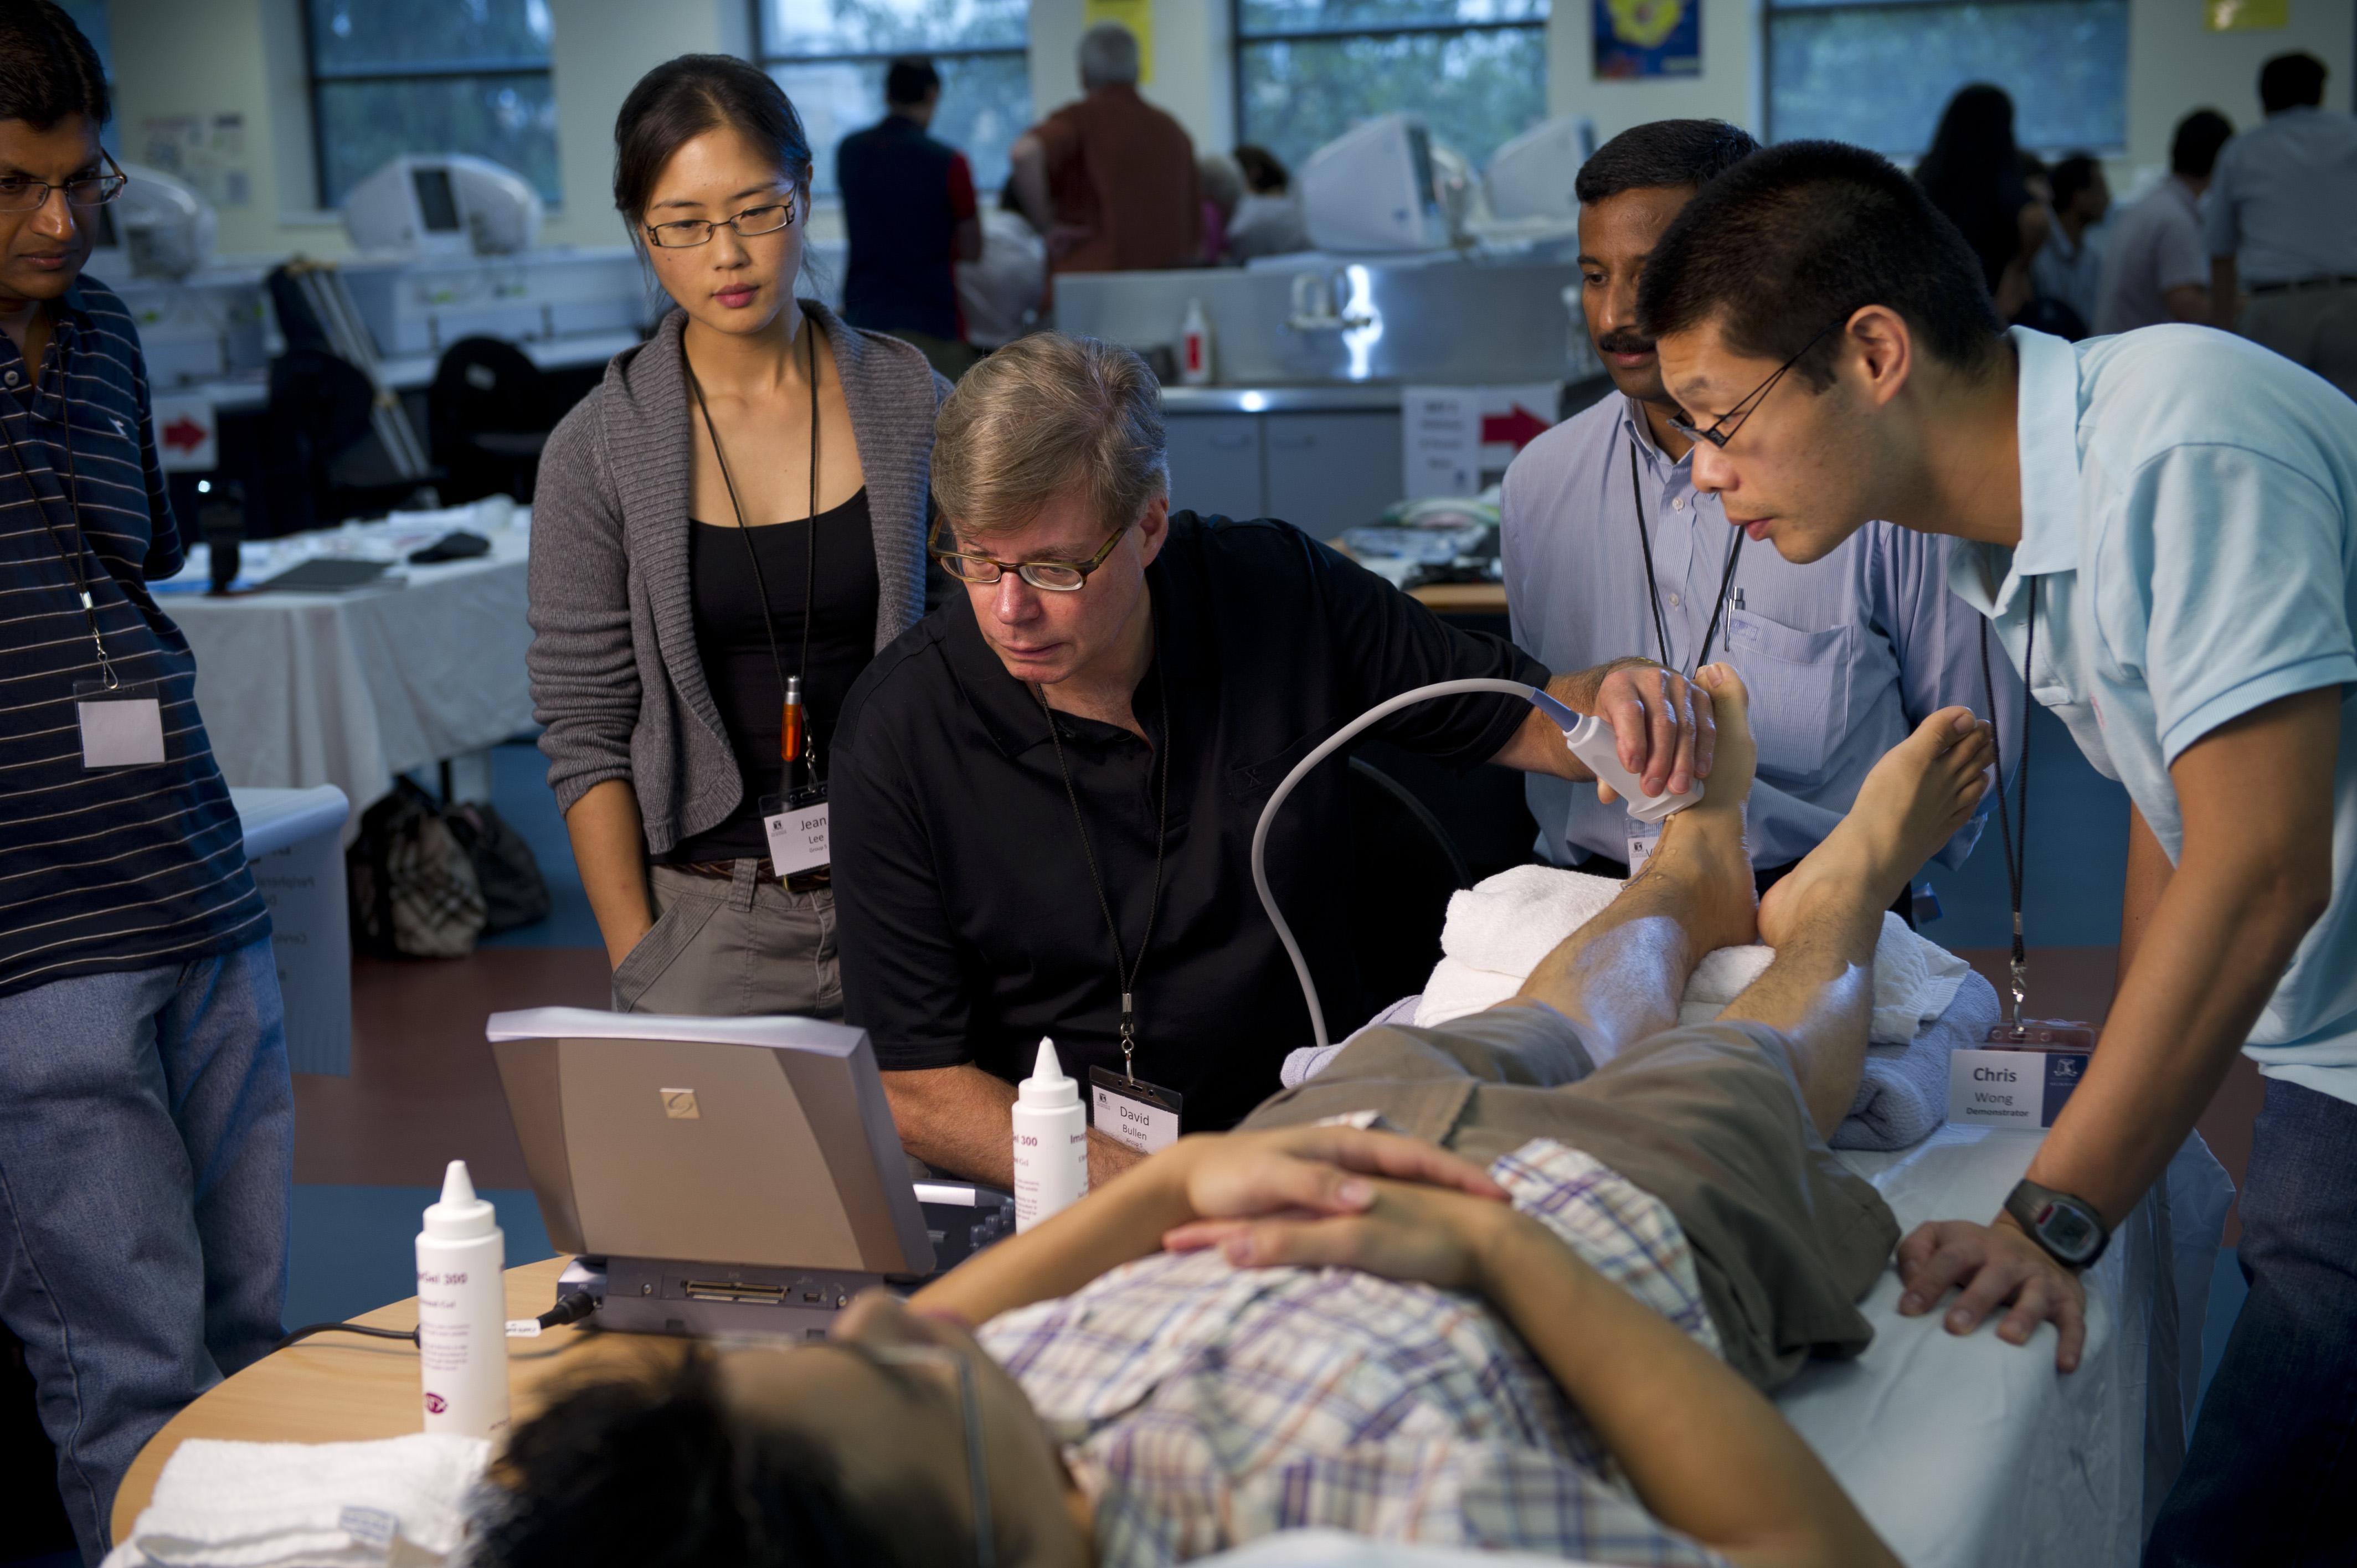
(1903, 1094)
(264, 1505)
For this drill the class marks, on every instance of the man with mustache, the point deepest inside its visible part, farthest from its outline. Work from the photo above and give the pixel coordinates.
(1610, 550)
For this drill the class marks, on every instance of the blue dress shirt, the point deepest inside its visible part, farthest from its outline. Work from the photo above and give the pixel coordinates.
(2189, 510)
(1842, 657)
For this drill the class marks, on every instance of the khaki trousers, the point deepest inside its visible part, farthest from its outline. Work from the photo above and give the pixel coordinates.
(733, 948)
(2315, 327)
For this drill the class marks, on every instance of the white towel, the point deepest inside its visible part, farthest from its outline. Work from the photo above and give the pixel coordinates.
(264, 1505)
(1498, 930)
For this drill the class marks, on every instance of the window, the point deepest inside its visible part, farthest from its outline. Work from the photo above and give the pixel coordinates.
(830, 54)
(1878, 74)
(430, 76)
(1306, 70)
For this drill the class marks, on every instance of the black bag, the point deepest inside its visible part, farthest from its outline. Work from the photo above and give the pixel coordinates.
(514, 892)
(413, 889)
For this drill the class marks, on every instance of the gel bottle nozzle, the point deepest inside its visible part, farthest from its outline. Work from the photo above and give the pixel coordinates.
(1052, 1141)
(459, 1214)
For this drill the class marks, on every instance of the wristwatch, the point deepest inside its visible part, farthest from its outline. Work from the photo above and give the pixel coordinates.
(2069, 1227)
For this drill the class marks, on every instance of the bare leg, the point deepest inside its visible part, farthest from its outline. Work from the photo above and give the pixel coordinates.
(1621, 976)
(1824, 918)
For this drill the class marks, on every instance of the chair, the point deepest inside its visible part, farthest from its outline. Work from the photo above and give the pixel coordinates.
(487, 415)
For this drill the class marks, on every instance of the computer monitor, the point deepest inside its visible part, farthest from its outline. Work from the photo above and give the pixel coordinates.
(1370, 190)
(1532, 176)
(159, 227)
(447, 204)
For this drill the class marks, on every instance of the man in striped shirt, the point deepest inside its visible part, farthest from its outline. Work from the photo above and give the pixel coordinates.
(146, 1117)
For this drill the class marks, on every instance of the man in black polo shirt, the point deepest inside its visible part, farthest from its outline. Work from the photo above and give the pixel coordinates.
(908, 212)
(981, 856)
(147, 1119)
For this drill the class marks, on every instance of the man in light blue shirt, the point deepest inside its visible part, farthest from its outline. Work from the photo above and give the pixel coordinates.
(2282, 225)
(2162, 527)
(1843, 658)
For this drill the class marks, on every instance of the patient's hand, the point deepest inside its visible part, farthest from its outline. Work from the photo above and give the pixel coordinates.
(1309, 1171)
(1993, 1265)
(1443, 1236)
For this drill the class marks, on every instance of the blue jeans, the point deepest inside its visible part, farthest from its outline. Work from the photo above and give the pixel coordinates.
(2271, 1476)
(147, 1161)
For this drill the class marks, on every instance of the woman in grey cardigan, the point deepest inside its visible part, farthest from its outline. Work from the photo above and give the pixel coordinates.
(726, 532)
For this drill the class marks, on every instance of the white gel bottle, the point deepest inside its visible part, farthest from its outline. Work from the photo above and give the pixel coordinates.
(1592, 742)
(462, 1330)
(1052, 1141)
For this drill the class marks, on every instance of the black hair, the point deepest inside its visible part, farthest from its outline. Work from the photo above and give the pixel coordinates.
(682, 98)
(1265, 173)
(1797, 238)
(2071, 175)
(910, 81)
(1974, 147)
(2193, 151)
(654, 1469)
(1664, 154)
(2292, 81)
(47, 69)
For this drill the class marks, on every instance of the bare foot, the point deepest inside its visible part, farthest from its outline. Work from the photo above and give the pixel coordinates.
(1702, 846)
(1911, 802)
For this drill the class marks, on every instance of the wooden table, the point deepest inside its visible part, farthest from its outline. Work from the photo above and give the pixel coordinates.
(340, 1388)
(1462, 598)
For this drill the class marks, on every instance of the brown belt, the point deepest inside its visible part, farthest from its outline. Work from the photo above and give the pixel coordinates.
(763, 871)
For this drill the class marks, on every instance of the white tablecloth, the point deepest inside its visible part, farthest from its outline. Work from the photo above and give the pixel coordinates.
(299, 690)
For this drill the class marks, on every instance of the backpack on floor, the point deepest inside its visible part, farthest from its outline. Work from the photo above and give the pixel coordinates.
(514, 892)
(415, 891)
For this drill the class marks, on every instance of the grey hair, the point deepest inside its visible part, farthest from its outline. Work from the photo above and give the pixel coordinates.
(1108, 56)
(1047, 414)
(1223, 181)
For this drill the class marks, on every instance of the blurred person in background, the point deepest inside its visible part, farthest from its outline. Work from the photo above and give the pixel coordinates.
(1972, 173)
(1223, 192)
(1001, 294)
(2282, 226)
(908, 211)
(1268, 221)
(1110, 181)
(2156, 268)
(2069, 268)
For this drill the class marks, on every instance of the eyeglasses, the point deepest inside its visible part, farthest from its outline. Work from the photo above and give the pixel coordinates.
(1723, 430)
(690, 231)
(1055, 577)
(22, 193)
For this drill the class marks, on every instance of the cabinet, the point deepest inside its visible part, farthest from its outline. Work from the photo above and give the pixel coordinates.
(1323, 471)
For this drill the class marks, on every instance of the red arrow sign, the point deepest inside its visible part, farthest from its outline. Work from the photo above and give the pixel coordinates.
(1519, 428)
(188, 435)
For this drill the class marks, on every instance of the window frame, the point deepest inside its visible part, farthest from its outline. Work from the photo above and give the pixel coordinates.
(314, 78)
(1239, 40)
(1771, 10)
(772, 62)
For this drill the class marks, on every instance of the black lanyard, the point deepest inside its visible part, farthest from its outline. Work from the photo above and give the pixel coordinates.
(810, 553)
(2017, 839)
(1653, 589)
(1124, 970)
(70, 547)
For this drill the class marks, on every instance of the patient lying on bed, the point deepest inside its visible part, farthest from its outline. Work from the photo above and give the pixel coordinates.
(1525, 1294)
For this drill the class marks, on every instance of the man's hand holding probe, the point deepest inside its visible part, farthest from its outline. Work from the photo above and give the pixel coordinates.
(1661, 719)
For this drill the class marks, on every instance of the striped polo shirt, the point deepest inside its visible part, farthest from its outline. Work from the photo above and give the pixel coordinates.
(106, 869)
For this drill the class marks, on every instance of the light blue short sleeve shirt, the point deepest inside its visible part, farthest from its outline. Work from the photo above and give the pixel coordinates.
(2187, 501)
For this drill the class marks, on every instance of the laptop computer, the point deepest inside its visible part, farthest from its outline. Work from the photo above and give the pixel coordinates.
(734, 1175)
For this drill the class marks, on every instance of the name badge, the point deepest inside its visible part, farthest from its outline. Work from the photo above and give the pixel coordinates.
(797, 830)
(1641, 839)
(1131, 1111)
(122, 726)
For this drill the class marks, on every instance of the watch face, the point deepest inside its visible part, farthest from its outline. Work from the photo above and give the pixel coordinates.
(2067, 1230)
